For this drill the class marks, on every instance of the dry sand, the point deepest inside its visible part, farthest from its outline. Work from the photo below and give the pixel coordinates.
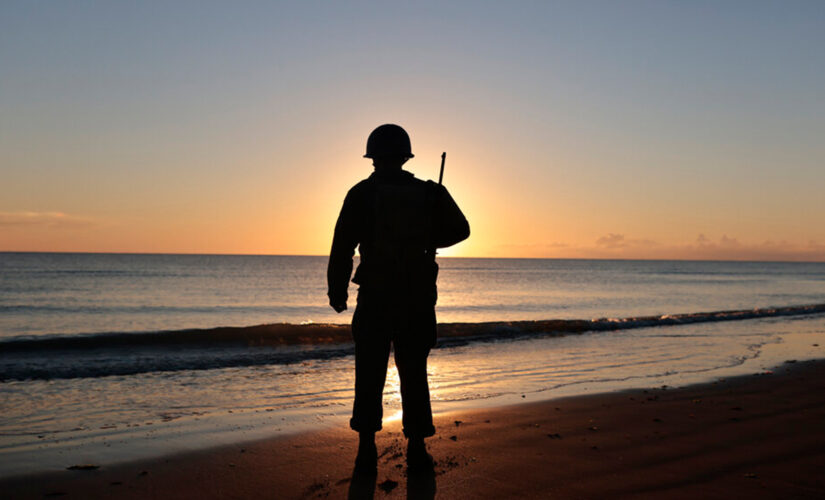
(760, 436)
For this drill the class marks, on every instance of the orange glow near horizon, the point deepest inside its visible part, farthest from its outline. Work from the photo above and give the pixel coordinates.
(245, 204)
(509, 217)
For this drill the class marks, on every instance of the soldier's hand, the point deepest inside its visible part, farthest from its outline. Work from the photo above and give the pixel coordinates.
(339, 306)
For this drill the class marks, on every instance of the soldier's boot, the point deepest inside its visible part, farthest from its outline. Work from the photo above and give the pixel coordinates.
(418, 460)
(366, 462)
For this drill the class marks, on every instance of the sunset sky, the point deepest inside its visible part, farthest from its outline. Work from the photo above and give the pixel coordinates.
(691, 130)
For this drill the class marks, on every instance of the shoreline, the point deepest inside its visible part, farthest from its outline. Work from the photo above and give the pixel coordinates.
(755, 435)
(229, 407)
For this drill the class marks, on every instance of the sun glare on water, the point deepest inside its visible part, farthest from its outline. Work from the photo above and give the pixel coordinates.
(392, 395)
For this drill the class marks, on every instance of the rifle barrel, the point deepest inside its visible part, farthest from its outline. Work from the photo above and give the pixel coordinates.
(441, 174)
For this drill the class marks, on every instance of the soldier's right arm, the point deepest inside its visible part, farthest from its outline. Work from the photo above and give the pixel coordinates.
(344, 242)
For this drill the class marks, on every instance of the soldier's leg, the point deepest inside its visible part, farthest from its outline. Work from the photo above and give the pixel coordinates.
(412, 346)
(411, 361)
(417, 419)
(372, 351)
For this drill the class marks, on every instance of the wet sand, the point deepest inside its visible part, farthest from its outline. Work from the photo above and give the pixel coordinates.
(760, 436)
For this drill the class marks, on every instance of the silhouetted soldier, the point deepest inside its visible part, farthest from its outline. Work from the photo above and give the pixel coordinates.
(398, 221)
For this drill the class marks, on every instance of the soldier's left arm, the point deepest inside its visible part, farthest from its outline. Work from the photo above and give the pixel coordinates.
(451, 226)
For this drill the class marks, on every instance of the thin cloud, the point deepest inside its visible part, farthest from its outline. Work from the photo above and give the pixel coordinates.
(612, 240)
(815, 246)
(43, 219)
(726, 247)
(618, 241)
(534, 246)
(726, 242)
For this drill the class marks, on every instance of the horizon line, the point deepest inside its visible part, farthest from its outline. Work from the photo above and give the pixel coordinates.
(442, 257)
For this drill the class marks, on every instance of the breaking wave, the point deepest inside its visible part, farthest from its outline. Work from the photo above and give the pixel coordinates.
(119, 354)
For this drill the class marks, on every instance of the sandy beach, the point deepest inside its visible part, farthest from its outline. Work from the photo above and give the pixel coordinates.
(759, 436)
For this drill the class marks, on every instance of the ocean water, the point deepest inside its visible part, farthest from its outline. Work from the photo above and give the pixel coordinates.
(67, 294)
(105, 358)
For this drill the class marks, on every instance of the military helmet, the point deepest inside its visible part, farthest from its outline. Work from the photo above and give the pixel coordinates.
(388, 140)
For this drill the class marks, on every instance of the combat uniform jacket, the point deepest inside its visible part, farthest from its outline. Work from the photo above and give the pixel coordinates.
(396, 221)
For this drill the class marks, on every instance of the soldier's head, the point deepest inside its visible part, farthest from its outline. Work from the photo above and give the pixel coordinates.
(389, 147)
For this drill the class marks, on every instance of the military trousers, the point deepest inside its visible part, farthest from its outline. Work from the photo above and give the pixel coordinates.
(377, 328)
